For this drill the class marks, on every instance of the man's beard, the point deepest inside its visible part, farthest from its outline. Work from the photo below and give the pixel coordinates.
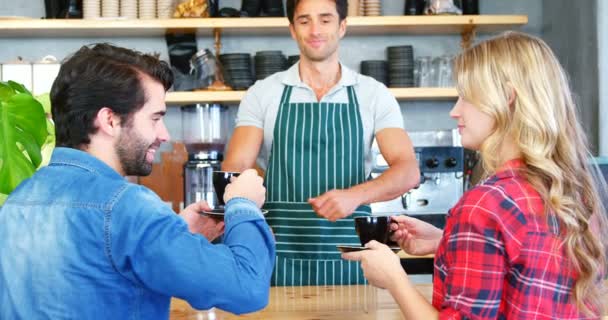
(317, 56)
(131, 149)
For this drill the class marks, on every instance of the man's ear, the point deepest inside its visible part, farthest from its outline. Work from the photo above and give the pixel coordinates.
(107, 122)
(292, 31)
(342, 27)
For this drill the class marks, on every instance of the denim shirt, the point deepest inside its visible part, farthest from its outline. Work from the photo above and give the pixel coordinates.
(77, 241)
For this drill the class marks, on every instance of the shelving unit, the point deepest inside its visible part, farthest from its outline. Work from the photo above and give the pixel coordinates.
(259, 26)
(180, 98)
(466, 26)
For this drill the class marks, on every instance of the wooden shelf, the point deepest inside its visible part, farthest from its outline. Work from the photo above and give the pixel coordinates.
(424, 93)
(181, 98)
(190, 97)
(26, 27)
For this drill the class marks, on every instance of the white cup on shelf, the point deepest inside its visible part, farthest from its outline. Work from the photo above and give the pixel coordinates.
(110, 8)
(147, 9)
(128, 9)
(91, 9)
(165, 8)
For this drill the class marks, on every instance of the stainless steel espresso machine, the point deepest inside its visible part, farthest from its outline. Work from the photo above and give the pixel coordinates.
(205, 131)
(444, 171)
(445, 168)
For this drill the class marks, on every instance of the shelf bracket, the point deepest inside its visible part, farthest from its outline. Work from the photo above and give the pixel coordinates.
(217, 35)
(468, 36)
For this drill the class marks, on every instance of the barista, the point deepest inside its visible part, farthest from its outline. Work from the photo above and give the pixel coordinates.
(311, 128)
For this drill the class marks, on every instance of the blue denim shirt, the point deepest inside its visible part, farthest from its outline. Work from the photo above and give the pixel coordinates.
(77, 241)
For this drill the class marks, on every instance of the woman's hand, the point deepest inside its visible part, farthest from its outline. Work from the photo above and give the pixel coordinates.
(381, 266)
(415, 236)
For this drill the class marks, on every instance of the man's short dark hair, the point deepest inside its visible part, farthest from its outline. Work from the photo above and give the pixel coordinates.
(341, 7)
(97, 76)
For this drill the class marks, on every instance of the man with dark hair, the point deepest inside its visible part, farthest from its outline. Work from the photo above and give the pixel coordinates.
(78, 241)
(311, 129)
(341, 9)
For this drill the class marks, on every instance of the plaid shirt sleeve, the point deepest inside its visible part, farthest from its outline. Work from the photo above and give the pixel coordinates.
(482, 230)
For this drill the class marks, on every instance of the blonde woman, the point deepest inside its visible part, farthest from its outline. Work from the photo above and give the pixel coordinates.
(529, 242)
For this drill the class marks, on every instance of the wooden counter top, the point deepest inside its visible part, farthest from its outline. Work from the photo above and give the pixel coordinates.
(315, 302)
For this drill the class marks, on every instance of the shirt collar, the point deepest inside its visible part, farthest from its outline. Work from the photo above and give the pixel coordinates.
(513, 164)
(73, 157)
(511, 168)
(292, 77)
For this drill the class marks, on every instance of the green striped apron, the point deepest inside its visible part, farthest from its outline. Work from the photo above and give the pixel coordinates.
(317, 147)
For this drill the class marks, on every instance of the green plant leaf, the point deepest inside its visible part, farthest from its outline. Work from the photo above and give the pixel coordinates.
(23, 128)
(18, 87)
(6, 91)
(49, 144)
(45, 100)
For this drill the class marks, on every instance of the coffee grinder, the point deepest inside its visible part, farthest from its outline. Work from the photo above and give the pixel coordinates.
(205, 129)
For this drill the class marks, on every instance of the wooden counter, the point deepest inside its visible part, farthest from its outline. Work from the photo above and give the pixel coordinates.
(315, 302)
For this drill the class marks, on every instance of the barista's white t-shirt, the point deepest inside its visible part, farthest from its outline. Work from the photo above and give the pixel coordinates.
(378, 107)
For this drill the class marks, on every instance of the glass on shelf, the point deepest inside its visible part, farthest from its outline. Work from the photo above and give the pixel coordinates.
(208, 71)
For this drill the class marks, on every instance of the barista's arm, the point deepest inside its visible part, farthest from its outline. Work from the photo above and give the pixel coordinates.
(402, 175)
(243, 148)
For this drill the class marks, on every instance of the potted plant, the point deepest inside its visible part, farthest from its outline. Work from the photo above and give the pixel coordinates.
(27, 135)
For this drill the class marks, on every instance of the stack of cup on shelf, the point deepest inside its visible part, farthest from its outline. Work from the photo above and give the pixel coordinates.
(164, 9)
(91, 9)
(147, 9)
(353, 8)
(371, 7)
(110, 8)
(400, 66)
(128, 9)
(377, 69)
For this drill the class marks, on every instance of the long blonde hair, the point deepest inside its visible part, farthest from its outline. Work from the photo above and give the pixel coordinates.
(516, 79)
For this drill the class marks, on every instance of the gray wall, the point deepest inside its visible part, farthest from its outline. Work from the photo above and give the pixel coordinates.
(602, 31)
(418, 115)
(570, 28)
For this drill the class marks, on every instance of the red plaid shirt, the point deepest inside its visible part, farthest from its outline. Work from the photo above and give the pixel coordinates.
(501, 257)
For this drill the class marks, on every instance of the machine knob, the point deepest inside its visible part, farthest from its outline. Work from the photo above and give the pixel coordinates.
(451, 162)
(432, 163)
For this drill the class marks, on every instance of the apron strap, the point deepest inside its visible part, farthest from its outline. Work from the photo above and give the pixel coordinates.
(352, 96)
(286, 94)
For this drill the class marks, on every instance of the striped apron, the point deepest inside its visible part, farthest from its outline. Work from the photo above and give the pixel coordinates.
(317, 147)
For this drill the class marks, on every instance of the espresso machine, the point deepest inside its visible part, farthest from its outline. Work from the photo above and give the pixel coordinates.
(205, 131)
(445, 169)
(442, 182)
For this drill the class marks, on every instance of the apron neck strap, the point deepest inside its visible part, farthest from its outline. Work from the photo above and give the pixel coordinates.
(286, 94)
(352, 97)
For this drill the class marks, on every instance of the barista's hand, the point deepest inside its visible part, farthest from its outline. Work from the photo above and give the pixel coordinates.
(415, 236)
(335, 204)
(381, 267)
(201, 224)
(247, 185)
